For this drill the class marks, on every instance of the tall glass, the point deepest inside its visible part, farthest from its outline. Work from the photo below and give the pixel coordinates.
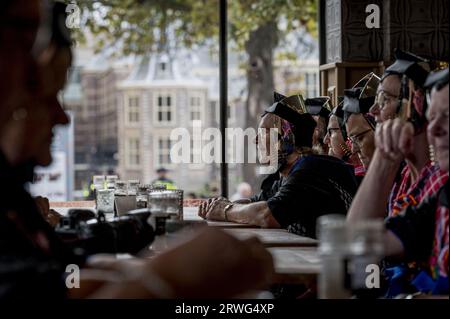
(133, 187)
(105, 202)
(99, 182)
(111, 181)
(166, 201)
(333, 250)
(121, 188)
(142, 197)
(366, 252)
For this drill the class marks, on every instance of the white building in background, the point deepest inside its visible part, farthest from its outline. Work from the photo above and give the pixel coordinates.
(294, 77)
(91, 94)
(125, 109)
(156, 98)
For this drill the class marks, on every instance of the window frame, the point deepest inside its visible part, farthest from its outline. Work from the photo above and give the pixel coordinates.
(157, 151)
(156, 108)
(127, 108)
(201, 107)
(129, 153)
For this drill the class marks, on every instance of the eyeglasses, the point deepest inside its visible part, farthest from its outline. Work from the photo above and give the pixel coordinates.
(382, 99)
(357, 139)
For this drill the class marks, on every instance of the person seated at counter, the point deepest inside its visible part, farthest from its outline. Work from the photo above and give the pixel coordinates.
(320, 109)
(293, 197)
(339, 145)
(359, 123)
(419, 234)
(419, 177)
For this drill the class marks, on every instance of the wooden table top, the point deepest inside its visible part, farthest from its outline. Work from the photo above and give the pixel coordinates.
(273, 237)
(64, 207)
(296, 259)
(291, 260)
(190, 213)
(296, 265)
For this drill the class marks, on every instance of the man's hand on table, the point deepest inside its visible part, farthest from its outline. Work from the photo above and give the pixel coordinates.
(213, 208)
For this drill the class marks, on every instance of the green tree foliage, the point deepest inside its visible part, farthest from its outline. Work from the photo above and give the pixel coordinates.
(143, 26)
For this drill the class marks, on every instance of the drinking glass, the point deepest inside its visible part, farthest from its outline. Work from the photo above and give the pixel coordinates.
(105, 201)
(133, 187)
(99, 182)
(121, 188)
(111, 181)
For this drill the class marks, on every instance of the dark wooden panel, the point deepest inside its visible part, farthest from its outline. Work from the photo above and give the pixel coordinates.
(419, 26)
(360, 43)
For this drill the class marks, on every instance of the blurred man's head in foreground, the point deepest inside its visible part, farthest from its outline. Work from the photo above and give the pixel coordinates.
(19, 22)
(45, 62)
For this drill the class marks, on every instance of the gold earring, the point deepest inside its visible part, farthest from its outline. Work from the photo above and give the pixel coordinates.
(20, 114)
(346, 150)
(432, 154)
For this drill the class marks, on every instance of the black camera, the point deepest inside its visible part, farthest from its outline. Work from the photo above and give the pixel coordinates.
(93, 234)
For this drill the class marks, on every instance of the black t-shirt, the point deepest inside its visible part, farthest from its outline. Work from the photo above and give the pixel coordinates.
(269, 188)
(32, 258)
(317, 185)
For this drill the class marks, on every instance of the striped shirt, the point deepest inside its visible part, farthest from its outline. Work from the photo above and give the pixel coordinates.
(406, 193)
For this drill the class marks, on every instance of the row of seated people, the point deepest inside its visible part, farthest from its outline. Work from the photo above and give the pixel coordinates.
(382, 153)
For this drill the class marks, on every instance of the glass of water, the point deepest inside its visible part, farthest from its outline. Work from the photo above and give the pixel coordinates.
(121, 188)
(105, 201)
(133, 187)
(332, 232)
(111, 181)
(99, 182)
(142, 197)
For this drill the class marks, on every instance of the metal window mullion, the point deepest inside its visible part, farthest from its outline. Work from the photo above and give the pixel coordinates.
(223, 92)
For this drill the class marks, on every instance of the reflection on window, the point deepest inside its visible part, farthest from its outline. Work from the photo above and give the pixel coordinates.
(214, 108)
(196, 106)
(164, 146)
(133, 110)
(311, 87)
(133, 151)
(196, 153)
(231, 113)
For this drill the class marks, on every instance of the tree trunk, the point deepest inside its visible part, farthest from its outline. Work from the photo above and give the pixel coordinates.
(260, 80)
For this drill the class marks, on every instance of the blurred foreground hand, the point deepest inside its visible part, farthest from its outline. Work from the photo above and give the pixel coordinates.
(213, 264)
